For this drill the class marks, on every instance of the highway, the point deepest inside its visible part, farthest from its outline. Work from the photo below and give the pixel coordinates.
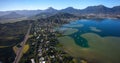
(19, 51)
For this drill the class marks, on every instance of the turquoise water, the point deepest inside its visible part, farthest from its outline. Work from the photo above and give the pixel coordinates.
(104, 28)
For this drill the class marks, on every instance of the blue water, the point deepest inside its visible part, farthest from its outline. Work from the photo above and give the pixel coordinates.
(108, 27)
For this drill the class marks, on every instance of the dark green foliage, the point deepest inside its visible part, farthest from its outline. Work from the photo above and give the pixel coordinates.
(7, 55)
(10, 35)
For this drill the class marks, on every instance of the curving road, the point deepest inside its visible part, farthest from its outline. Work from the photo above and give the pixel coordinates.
(19, 51)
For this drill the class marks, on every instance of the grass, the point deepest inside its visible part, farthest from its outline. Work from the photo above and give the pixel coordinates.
(83, 61)
(30, 36)
(3, 46)
(75, 60)
(26, 48)
(12, 20)
(15, 48)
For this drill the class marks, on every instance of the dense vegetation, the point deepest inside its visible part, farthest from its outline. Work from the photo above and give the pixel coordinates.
(10, 35)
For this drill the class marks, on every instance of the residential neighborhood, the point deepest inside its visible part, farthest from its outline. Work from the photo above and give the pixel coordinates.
(44, 46)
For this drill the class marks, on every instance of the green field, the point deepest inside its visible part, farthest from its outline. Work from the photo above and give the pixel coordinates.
(10, 35)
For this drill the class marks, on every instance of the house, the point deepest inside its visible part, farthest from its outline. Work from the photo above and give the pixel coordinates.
(32, 60)
(42, 62)
(37, 37)
(52, 56)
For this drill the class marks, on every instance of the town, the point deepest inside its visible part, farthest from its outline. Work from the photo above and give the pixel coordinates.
(44, 46)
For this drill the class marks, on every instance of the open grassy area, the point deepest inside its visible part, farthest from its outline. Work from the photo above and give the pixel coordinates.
(15, 48)
(12, 20)
(30, 36)
(12, 33)
(3, 46)
(26, 48)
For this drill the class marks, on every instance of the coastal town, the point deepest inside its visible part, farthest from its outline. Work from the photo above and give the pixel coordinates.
(60, 31)
(44, 46)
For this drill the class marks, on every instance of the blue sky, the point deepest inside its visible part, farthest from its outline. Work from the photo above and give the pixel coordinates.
(6, 5)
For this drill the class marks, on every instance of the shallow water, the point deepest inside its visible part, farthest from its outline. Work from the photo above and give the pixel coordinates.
(95, 40)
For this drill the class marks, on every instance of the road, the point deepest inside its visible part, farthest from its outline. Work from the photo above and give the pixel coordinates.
(19, 51)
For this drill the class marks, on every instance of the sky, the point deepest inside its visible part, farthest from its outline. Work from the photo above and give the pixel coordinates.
(6, 5)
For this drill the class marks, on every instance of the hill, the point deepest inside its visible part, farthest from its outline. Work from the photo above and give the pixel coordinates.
(99, 11)
(11, 15)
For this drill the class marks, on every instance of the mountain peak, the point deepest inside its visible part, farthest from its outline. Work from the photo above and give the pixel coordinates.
(116, 7)
(96, 7)
(101, 6)
(70, 8)
(50, 8)
(13, 12)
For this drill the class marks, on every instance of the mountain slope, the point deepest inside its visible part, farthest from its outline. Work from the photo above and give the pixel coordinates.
(42, 15)
(97, 11)
(64, 15)
(100, 9)
(70, 10)
(50, 10)
(28, 13)
(12, 15)
(116, 10)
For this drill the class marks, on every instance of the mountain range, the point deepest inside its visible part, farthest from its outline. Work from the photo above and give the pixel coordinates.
(90, 9)
(11, 15)
(96, 10)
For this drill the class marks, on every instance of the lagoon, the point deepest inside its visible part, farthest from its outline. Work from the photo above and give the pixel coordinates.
(94, 40)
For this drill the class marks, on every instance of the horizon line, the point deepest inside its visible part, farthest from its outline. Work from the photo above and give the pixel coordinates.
(54, 8)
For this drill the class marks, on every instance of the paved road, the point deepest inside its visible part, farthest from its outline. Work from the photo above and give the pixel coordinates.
(19, 51)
